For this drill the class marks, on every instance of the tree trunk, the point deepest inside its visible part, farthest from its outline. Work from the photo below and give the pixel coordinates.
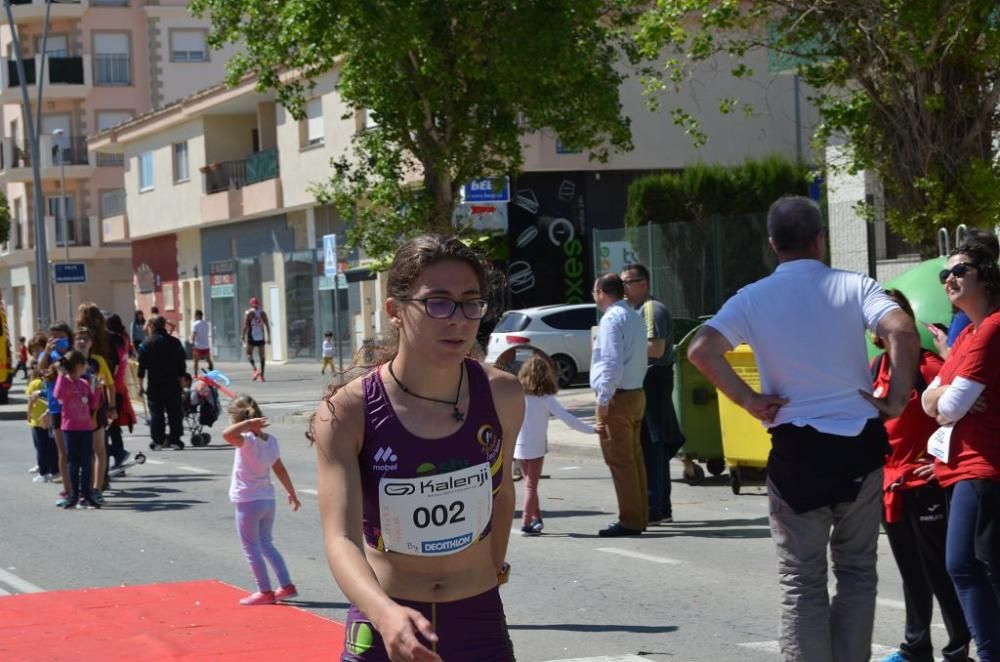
(441, 190)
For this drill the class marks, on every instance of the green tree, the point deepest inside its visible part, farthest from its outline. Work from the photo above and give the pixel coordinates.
(453, 86)
(913, 86)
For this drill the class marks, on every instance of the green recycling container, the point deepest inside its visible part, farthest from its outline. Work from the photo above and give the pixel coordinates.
(696, 403)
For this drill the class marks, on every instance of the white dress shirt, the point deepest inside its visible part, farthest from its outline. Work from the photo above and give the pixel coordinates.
(618, 360)
(806, 325)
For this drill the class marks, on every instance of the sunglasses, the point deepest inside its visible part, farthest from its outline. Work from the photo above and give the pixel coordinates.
(442, 308)
(957, 271)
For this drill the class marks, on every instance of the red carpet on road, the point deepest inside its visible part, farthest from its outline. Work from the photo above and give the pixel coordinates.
(200, 620)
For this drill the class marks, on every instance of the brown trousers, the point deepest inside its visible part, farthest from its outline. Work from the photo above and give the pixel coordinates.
(622, 452)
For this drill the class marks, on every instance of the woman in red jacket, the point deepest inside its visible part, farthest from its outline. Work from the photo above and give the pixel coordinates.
(965, 399)
(915, 517)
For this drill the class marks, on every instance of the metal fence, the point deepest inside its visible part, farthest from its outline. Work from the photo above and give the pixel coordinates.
(694, 266)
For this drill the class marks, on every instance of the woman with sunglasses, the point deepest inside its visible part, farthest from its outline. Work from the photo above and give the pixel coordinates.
(965, 399)
(416, 498)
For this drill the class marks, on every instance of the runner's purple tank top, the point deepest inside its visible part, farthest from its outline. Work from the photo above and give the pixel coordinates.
(390, 451)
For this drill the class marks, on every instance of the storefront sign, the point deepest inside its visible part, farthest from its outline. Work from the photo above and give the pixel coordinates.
(222, 280)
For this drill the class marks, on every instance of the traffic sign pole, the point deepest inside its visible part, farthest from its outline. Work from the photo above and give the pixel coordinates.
(331, 269)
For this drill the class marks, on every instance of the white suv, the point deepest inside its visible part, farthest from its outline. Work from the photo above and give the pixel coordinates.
(561, 331)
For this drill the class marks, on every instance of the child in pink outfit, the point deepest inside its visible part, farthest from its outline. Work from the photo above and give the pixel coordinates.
(79, 399)
(257, 454)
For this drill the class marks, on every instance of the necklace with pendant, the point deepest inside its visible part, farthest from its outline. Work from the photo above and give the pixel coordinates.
(457, 414)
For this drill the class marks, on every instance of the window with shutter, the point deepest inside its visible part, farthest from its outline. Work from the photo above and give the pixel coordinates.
(188, 46)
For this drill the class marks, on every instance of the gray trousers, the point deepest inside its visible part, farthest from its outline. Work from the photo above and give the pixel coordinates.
(815, 628)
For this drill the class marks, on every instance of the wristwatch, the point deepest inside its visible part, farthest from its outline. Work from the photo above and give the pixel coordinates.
(504, 574)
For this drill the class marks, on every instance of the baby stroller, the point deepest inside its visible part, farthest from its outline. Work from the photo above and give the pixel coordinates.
(201, 409)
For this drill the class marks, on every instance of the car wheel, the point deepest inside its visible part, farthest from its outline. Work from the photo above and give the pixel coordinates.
(565, 370)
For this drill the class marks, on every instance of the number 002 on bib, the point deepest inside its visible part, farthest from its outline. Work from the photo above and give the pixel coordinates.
(436, 515)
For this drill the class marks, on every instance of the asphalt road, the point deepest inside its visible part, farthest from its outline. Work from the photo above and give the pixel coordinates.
(703, 588)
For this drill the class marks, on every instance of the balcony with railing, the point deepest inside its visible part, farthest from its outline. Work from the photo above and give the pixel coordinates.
(114, 219)
(65, 78)
(60, 156)
(33, 11)
(239, 189)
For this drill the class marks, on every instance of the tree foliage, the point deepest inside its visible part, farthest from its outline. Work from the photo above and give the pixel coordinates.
(703, 190)
(911, 84)
(453, 86)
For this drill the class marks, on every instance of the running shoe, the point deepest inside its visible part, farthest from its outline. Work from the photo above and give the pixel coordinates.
(97, 496)
(33, 470)
(91, 503)
(536, 525)
(529, 532)
(258, 598)
(49, 478)
(286, 592)
(177, 445)
(39, 478)
(64, 501)
(116, 473)
(153, 446)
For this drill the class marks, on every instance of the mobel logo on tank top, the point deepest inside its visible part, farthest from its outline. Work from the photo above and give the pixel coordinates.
(385, 460)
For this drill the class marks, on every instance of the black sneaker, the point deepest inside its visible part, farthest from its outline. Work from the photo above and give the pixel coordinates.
(529, 531)
(618, 530)
(153, 446)
(91, 504)
(177, 445)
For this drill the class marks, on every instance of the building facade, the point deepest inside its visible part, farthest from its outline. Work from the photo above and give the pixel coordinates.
(106, 62)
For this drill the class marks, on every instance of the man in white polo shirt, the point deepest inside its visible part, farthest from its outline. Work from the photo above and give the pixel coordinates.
(806, 325)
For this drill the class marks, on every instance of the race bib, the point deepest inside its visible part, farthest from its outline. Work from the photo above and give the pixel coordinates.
(939, 443)
(436, 515)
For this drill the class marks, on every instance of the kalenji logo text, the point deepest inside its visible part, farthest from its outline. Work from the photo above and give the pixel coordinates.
(445, 484)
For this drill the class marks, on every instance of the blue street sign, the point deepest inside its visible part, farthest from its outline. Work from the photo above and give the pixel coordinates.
(70, 272)
(488, 189)
(330, 263)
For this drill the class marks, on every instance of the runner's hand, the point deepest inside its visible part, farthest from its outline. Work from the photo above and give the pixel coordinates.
(764, 407)
(399, 632)
(294, 502)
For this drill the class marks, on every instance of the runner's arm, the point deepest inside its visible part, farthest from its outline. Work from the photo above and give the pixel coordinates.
(338, 437)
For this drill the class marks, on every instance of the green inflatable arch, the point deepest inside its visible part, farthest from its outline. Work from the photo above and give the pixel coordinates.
(930, 304)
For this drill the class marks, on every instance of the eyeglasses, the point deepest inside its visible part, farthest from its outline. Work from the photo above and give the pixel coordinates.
(957, 271)
(442, 308)
(629, 281)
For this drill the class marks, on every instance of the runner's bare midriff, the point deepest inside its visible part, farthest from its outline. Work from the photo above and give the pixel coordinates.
(452, 577)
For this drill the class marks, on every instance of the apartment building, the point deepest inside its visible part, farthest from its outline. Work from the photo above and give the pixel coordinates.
(106, 62)
(219, 210)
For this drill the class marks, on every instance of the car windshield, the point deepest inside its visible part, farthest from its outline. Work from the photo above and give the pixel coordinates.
(512, 321)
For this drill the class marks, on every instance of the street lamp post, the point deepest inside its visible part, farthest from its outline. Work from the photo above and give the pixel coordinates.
(64, 214)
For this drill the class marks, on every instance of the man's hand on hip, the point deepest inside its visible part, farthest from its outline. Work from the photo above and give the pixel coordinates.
(764, 407)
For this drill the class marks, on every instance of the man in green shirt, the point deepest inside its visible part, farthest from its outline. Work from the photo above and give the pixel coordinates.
(661, 434)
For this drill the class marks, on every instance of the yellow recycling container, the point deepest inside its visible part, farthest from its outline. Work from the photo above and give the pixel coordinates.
(746, 443)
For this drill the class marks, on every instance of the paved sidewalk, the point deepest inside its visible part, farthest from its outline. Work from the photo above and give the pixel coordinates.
(294, 388)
